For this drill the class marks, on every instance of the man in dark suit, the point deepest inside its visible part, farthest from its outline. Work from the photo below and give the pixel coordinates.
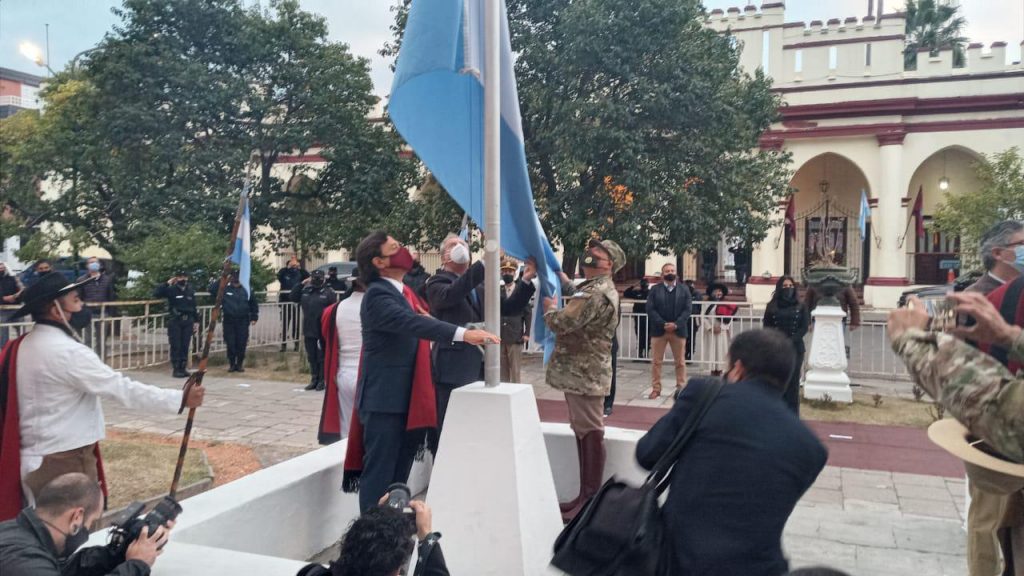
(391, 367)
(668, 309)
(735, 486)
(455, 295)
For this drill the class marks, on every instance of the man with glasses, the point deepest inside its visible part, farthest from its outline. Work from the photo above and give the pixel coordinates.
(1000, 246)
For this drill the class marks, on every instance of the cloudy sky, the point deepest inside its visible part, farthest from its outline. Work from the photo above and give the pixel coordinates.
(77, 25)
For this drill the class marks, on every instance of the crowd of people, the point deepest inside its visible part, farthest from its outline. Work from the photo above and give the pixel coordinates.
(391, 344)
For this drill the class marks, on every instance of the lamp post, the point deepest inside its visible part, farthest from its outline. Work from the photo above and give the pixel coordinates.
(35, 54)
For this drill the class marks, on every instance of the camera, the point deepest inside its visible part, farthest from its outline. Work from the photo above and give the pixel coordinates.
(399, 496)
(127, 527)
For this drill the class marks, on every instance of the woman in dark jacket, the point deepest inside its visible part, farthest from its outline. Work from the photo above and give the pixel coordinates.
(788, 315)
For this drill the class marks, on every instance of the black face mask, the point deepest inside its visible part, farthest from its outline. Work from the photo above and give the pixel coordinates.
(72, 540)
(591, 260)
(669, 277)
(318, 282)
(789, 293)
(508, 278)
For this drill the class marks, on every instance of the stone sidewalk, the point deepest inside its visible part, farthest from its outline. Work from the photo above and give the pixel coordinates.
(864, 522)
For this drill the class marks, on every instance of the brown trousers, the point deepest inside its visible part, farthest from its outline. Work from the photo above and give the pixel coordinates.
(586, 413)
(78, 460)
(511, 361)
(995, 506)
(677, 344)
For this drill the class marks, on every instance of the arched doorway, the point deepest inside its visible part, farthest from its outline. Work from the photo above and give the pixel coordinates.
(932, 255)
(827, 208)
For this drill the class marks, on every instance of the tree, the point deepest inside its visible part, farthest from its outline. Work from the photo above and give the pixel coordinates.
(639, 125)
(933, 26)
(999, 197)
(22, 208)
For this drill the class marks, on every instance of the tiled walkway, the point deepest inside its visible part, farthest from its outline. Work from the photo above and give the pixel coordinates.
(888, 503)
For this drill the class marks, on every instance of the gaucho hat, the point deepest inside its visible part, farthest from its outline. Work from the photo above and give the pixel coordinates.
(48, 288)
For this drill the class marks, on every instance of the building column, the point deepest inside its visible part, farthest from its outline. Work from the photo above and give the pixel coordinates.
(768, 256)
(888, 278)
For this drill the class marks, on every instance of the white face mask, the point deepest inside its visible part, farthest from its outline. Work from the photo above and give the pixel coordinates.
(460, 254)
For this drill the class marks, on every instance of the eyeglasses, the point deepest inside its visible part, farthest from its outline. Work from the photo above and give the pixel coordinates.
(1014, 244)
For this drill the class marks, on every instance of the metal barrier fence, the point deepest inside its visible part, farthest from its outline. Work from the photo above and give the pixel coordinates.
(870, 353)
(137, 340)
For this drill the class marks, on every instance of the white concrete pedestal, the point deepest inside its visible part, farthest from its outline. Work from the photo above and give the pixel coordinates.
(491, 491)
(826, 374)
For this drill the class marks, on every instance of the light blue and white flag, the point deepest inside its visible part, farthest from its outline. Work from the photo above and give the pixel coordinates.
(865, 215)
(437, 105)
(243, 244)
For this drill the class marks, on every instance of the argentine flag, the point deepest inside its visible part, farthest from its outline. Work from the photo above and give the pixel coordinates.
(437, 106)
(243, 243)
(865, 215)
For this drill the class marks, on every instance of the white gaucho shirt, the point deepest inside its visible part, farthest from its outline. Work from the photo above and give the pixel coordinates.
(60, 383)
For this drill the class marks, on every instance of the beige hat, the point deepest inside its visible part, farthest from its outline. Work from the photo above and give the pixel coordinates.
(954, 438)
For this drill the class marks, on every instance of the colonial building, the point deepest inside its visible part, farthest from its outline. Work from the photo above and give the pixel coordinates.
(856, 119)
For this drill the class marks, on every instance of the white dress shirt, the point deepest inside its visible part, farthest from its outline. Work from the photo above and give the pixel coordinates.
(60, 383)
(460, 332)
(350, 345)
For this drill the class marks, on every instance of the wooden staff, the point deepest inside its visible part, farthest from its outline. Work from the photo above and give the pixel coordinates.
(196, 379)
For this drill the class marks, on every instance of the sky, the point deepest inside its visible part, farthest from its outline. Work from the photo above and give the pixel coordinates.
(77, 25)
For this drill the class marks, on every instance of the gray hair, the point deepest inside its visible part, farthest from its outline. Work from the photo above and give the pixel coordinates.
(447, 244)
(997, 236)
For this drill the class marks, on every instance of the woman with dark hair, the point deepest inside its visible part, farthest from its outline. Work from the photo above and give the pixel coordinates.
(788, 315)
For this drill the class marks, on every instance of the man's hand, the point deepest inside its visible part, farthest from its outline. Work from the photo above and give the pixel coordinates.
(11, 298)
(989, 328)
(172, 280)
(147, 547)
(307, 281)
(480, 337)
(565, 277)
(853, 327)
(530, 270)
(670, 326)
(195, 397)
(195, 327)
(913, 316)
(550, 303)
(423, 519)
(253, 323)
(717, 328)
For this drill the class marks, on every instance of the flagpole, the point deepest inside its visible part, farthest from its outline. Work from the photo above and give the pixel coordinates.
(492, 184)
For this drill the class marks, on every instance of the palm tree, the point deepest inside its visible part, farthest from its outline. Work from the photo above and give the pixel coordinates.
(934, 25)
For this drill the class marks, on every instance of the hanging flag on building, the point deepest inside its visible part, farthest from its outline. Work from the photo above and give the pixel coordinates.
(243, 243)
(791, 217)
(865, 214)
(437, 105)
(918, 212)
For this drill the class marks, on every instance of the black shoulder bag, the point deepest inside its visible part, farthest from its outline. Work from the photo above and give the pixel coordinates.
(619, 532)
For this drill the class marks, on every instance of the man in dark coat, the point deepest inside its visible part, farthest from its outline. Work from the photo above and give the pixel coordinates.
(417, 278)
(10, 288)
(639, 292)
(102, 289)
(182, 318)
(239, 311)
(313, 297)
(289, 277)
(42, 541)
(735, 486)
(694, 323)
(455, 295)
(394, 407)
(668, 308)
(335, 282)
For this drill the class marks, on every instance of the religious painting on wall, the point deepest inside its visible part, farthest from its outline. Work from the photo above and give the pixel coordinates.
(818, 241)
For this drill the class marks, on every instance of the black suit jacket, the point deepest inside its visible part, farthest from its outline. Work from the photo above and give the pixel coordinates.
(658, 308)
(736, 483)
(459, 300)
(391, 333)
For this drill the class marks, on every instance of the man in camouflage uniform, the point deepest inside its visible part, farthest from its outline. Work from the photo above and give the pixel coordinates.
(581, 365)
(985, 397)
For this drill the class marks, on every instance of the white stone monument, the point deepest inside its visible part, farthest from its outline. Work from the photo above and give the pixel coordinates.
(491, 491)
(826, 374)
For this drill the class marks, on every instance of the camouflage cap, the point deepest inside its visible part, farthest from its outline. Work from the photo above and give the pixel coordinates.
(613, 250)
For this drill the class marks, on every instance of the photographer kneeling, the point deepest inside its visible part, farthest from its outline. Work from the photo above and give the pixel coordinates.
(380, 542)
(42, 541)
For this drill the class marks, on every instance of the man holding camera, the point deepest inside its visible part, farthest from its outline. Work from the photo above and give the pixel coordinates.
(42, 541)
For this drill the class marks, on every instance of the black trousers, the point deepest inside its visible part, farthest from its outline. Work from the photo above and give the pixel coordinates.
(792, 393)
(179, 336)
(609, 400)
(387, 457)
(689, 338)
(289, 322)
(236, 338)
(643, 336)
(315, 355)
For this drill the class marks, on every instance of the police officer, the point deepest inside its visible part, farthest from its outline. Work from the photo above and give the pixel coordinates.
(581, 365)
(313, 296)
(182, 318)
(289, 277)
(334, 282)
(239, 310)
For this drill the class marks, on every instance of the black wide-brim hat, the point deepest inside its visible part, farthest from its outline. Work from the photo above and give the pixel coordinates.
(48, 288)
(718, 286)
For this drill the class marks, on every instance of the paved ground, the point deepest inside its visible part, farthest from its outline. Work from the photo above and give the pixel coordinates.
(867, 522)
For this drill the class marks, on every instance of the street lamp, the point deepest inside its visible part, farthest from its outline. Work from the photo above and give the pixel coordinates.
(34, 53)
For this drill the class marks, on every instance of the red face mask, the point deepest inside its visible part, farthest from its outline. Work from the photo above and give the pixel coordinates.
(401, 260)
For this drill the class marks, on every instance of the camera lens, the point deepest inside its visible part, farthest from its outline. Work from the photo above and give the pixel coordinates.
(399, 496)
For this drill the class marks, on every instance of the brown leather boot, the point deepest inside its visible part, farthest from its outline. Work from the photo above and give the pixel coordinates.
(592, 472)
(564, 507)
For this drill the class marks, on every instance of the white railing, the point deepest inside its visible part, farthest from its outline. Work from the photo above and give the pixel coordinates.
(870, 353)
(137, 340)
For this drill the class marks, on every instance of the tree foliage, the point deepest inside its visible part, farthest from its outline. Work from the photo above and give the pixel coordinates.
(1000, 196)
(933, 26)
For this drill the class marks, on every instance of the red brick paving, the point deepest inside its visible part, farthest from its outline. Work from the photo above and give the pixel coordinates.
(870, 447)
